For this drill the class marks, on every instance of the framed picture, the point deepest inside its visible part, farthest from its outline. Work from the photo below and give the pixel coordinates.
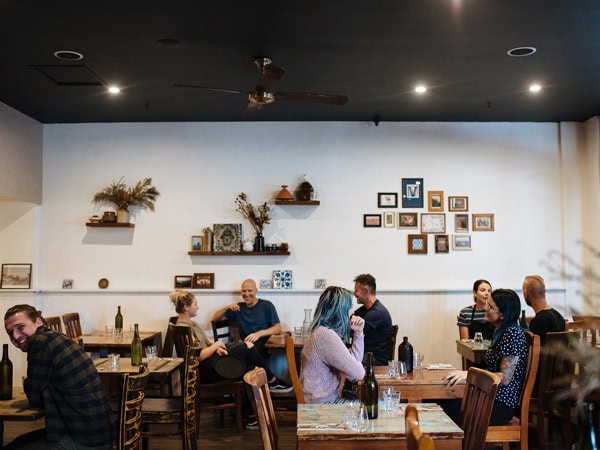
(458, 203)
(408, 220)
(183, 281)
(442, 244)
(372, 220)
(435, 201)
(461, 242)
(461, 223)
(417, 244)
(483, 222)
(387, 200)
(433, 223)
(16, 276)
(389, 220)
(227, 237)
(412, 192)
(266, 284)
(203, 281)
(197, 243)
(67, 284)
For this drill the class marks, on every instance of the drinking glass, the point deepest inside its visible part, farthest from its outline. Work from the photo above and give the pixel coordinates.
(478, 339)
(363, 418)
(298, 331)
(402, 369)
(418, 360)
(392, 401)
(109, 330)
(151, 353)
(352, 415)
(393, 369)
(113, 361)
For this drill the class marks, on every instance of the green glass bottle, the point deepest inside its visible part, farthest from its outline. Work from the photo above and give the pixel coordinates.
(118, 322)
(369, 391)
(136, 347)
(6, 375)
(523, 321)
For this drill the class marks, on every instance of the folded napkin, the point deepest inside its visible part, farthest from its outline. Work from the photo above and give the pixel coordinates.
(322, 426)
(439, 366)
(382, 375)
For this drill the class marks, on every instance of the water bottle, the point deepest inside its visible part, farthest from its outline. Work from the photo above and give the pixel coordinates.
(405, 353)
(6, 375)
(136, 347)
(369, 392)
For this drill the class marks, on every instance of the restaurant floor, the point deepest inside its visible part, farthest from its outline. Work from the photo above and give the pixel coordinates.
(213, 435)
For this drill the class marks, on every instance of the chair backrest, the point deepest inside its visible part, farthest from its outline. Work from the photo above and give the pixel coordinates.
(54, 323)
(189, 388)
(225, 329)
(72, 325)
(182, 338)
(290, 354)
(533, 359)
(167, 350)
(263, 408)
(414, 439)
(476, 406)
(557, 367)
(589, 327)
(393, 341)
(130, 410)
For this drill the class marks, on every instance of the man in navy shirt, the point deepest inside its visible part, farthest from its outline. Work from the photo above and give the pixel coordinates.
(378, 322)
(257, 320)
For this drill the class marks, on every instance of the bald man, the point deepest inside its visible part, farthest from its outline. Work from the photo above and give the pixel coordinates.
(546, 318)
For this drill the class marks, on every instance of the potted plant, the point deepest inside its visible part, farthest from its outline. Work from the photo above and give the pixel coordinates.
(142, 194)
(258, 218)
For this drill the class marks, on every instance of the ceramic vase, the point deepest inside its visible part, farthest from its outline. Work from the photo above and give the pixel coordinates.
(259, 243)
(122, 215)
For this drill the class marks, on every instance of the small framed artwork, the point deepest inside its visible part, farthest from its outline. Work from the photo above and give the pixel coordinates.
(197, 243)
(458, 203)
(389, 220)
(266, 284)
(183, 281)
(408, 220)
(16, 276)
(412, 192)
(417, 244)
(387, 200)
(435, 201)
(461, 223)
(442, 244)
(372, 220)
(482, 222)
(461, 242)
(203, 281)
(67, 284)
(320, 283)
(433, 223)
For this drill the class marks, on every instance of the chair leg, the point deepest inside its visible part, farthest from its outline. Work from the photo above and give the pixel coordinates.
(541, 429)
(565, 414)
(238, 410)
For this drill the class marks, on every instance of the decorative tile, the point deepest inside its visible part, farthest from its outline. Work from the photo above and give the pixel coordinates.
(265, 284)
(282, 279)
(320, 283)
(227, 237)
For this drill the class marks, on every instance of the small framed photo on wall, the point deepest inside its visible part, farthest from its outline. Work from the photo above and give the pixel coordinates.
(372, 220)
(387, 200)
(483, 222)
(408, 220)
(197, 243)
(442, 244)
(389, 220)
(458, 203)
(417, 244)
(412, 192)
(461, 223)
(461, 242)
(204, 281)
(16, 276)
(435, 201)
(183, 281)
(433, 223)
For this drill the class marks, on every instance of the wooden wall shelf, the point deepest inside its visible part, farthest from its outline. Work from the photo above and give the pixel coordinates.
(199, 253)
(298, 202)
(110, 225)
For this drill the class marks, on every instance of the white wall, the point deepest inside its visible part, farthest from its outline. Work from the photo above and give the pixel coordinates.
(515, 171)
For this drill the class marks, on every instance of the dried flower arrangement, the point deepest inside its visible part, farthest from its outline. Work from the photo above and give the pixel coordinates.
(121, 196)
(258, 217)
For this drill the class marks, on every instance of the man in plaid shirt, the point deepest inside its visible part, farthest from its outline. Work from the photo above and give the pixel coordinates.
(62, 380)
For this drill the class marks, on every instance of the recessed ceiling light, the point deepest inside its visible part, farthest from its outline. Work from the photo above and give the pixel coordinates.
(420, 89)
(535, 88)
(69, 55)
(114, 90)
(521, 51)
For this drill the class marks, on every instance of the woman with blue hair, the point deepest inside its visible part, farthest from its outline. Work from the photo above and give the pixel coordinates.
(326, 361)
(507, 355)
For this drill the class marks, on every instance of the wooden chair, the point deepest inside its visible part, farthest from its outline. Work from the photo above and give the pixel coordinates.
(225, 329)
(72, 326)
(588, 326)
(130, 410)
(263, 408)
(557, 371)
(217, 396)
(290, 354)
(167, 350)
(476, 407)
(414, 439)
(518, 430)
(393, 341)
(54, 323)
(180, 411)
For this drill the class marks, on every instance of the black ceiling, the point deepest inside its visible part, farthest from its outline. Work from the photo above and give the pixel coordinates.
(374, 52)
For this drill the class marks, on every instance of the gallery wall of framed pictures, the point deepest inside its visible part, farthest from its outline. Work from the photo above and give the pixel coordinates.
(445, 217)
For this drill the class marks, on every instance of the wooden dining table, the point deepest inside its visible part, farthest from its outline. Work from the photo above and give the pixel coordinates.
(17, 409)
(419, 385)
(104, 343)
(277, 343)
(323, 427)
(471, 352)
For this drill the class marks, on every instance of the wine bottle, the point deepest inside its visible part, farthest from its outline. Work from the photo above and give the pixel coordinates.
(6, 375)
(405, 353)
(136, 347)
(118, 322)
(369, 392)
(523, 321)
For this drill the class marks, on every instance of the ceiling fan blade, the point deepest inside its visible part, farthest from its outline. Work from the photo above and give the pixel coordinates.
(326, 99)
(252, 107)
(269, 77)
(206, 88)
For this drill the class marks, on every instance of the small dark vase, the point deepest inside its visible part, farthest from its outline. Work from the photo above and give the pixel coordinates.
(259, 243)
(589, 432)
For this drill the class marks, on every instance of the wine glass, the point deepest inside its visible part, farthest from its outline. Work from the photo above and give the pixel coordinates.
(402, 369)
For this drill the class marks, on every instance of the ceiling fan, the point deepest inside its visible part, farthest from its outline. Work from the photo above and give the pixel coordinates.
(264, 92)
